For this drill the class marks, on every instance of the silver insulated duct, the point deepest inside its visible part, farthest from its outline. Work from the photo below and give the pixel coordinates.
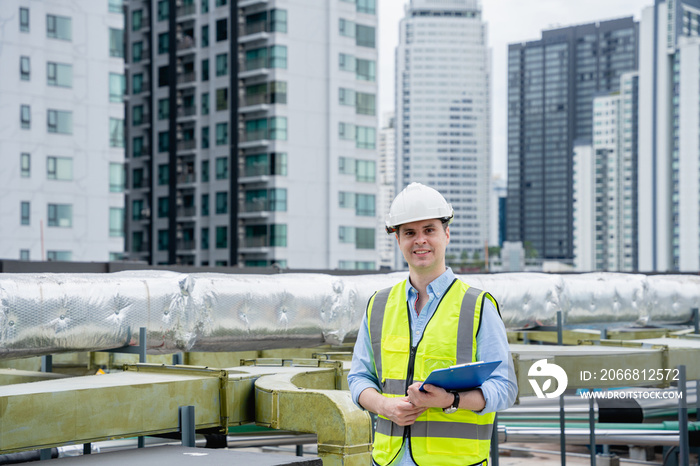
(54, 313)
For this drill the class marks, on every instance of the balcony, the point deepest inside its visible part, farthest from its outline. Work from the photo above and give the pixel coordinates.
(249, 3)
(186, 77)
(186, 10)
(186, 111)
(185, 245)
(143, 246)
(256, 241)
(186, 43)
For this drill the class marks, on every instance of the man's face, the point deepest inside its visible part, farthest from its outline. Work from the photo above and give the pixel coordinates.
(423, 244)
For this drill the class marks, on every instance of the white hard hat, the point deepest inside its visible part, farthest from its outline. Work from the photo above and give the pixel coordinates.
(417, 202)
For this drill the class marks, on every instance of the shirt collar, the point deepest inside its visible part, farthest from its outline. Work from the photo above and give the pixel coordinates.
(437, 287)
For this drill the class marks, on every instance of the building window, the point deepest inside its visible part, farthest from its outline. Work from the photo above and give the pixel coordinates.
(24, 254)
(205, 36)
(205, 171)
(163, 240)
(278, 56)
(163, 10)
(365, 171)
(346, 131)
(205, 239)
(278, 20)
(116, 222)
(365, 137)
(163, 77)
(58, 27)
(24, 68)
(278, 200)
(205, 69)
(137, 209)
(60, 215)
(346, 96)
(116, 6)
(205, 6)
(61, 75)
(116, 132)
(205, 103)
(346, 28)
(220, 3)
(137, 83)
(221, 237)
(63, 256)
(137, 115)
(163, 41)
(365, 104)
(25, 116)
(136, 20)
(137, 180)
(24, 20)
(205, 137)
(278, 128)
(222, 168)
(25, 163)
(346, 62)
(163, 206)
(163, 109)
(367, 6)
(60, 121)
(222, 64)
(221, 29)
(266, 164)
(221, 202)
(137, 146)
(365, 205)
(116, 43)
(163, 174)
(364, 238)
(365, 36)
(278, 235)
(24, 213)
(205, 205)
(222, 99)
(366, 70)
(136, 51)
(59, 168)
(117, 86)
(221, 134)
(163, 141)
(117, 178)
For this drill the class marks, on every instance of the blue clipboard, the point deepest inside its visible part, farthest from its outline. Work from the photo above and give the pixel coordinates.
(461, 377)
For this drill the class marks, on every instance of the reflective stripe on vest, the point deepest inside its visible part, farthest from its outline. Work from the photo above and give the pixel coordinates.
(436, 438)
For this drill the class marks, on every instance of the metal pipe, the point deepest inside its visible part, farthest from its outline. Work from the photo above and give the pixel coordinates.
(582, 436)
(52, 313)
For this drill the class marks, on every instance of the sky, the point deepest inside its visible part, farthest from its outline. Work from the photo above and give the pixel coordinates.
(508, 21)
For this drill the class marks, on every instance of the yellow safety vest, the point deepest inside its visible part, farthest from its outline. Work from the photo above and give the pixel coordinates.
(462, 438)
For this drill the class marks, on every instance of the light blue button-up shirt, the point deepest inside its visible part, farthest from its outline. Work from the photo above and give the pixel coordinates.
(499, 390)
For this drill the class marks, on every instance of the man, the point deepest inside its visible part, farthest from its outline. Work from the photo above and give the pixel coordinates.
(430, 321)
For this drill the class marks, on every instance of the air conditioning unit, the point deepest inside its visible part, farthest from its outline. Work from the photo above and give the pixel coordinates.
(179, 234)
(145, 212)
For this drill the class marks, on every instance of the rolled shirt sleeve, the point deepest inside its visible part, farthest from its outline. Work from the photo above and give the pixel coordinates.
(501, 388)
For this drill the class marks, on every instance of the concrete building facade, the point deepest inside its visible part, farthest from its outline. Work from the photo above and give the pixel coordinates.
(253, 133)
(62, 130)
(443, 113)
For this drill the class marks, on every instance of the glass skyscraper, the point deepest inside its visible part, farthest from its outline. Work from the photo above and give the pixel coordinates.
(551, 86)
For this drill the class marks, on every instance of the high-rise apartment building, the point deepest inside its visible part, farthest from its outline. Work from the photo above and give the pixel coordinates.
(443, 112)
(253, 132)
(551, 85)
(62, 130)
(605, 184)
(669, 137)
(386, 244)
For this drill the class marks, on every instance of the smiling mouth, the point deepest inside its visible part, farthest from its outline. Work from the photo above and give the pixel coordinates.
(421, 252)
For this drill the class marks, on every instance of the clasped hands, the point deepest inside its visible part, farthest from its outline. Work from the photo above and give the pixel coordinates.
(405, 410)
